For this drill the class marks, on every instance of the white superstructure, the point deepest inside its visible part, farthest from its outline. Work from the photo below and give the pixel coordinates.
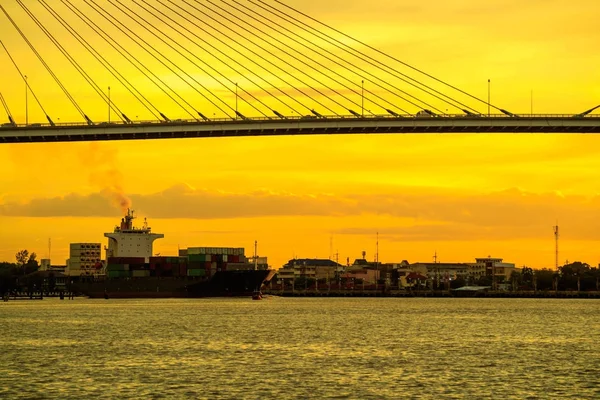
(127, 241)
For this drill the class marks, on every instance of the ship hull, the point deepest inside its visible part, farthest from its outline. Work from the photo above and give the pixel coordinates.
(222, 284)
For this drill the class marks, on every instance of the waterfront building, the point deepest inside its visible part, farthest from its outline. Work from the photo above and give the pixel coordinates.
(442, 272)
(489, 266)
(309, 269)
(45, 264)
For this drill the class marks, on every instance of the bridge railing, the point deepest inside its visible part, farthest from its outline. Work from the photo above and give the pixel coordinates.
(295, 118)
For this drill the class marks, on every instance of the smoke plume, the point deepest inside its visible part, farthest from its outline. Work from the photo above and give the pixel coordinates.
(105, 175)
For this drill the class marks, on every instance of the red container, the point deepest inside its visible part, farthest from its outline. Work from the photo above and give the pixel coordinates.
(126, 260)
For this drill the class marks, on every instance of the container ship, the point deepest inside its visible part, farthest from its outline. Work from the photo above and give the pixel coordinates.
(131, 270)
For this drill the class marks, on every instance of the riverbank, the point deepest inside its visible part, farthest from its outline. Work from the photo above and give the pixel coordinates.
(434, 293)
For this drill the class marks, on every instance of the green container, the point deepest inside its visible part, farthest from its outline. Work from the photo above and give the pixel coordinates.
(117, 267)
(196, 272)
(117, 274)
(196, 257)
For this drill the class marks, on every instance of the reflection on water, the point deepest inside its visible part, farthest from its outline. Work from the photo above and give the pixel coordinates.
(300, 348)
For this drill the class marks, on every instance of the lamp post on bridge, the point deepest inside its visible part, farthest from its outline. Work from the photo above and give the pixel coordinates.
(363, 99)
(26, 102)
(489, 90)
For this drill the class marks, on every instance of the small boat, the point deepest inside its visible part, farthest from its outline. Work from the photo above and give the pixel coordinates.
(257, 295)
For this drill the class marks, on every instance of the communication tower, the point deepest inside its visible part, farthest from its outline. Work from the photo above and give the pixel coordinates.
(556, 235)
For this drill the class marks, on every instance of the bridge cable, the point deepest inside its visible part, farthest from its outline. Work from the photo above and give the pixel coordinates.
(64, 89)
(89, 80)
(104, 36)
(394, 73)
(26, 82)
(153, 74)
(159, 60)
(251, 51)
(312, 46)
(221, 74)
(220, 51)
(312, 49)
(332, 99)
(8, 113)
(267, 51)
(378, 51)
(319, 71)
(305, 55)
(187, 58)
(98, 57)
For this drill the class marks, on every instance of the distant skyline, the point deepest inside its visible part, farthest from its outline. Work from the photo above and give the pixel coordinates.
(464, 196)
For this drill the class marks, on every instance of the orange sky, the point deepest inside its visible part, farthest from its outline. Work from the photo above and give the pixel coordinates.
(464, 196)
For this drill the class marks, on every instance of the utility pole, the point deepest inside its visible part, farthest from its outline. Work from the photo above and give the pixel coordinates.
(556, 235)
(26, 102)
(377, 259)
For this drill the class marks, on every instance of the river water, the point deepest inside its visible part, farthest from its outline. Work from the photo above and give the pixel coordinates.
(286, 348)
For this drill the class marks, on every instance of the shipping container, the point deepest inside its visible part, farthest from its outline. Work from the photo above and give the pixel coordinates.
(118, 274)
(195, 265)
(140, 273)
(117, 267)
(198, 257)
(126, 260)
(139, 267)
(183, 253)
(196, 272)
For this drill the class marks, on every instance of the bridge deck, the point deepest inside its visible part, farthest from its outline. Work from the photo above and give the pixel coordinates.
(298, 126)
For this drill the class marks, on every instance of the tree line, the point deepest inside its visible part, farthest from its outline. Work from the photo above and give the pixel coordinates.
(17, 275)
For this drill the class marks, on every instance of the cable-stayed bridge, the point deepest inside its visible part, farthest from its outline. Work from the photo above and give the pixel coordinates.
(226, 68)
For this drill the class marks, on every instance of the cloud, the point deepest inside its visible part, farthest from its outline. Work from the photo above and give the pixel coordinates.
(420, 212)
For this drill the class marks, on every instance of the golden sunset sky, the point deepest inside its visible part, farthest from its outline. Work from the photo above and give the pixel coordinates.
(462, 196)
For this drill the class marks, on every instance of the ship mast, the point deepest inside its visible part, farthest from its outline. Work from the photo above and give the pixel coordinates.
(255, 255)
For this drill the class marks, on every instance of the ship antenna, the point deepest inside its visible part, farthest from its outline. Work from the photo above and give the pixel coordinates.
(255, 255)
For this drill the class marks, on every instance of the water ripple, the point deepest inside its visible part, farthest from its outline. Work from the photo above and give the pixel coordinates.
(300, 348)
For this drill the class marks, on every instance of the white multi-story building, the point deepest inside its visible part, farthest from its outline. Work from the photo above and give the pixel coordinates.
(84, 259)
(491, 266)
(127, 241)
